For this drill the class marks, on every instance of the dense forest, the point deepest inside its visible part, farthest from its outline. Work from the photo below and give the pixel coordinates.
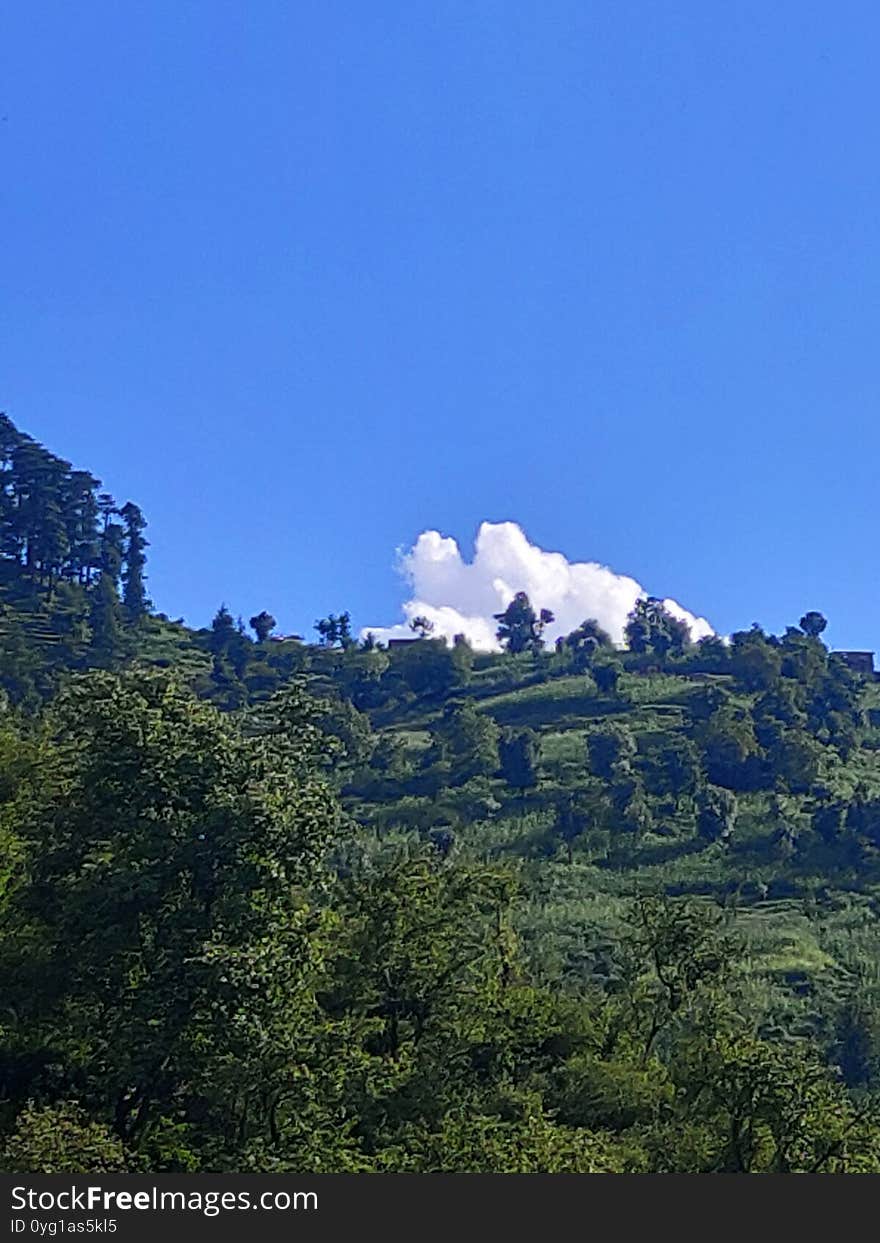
(276, 905)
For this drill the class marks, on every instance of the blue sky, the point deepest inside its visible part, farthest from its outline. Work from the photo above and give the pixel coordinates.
(304, 279)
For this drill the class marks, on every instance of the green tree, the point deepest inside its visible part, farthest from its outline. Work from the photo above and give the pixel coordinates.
(774, 1109)
(223, 631)
(606, 674)
(673, 768)
(335, 630)
(575, 817)
(262, 625)
(430, 667)
(177, 852)
(520, 628)
(469, 740)
(519, 759)
(717, 812)
(134, 595)
(104, 621)
(731, 755)
(651, 627)
(812, 624)
(61, 1139)
(584, 642)
(754, 661)
(610, 750)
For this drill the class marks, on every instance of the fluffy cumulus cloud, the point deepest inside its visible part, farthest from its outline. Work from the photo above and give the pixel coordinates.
(460, 596)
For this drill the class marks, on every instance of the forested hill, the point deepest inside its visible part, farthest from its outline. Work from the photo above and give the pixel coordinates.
(68, 552)
(272, 904)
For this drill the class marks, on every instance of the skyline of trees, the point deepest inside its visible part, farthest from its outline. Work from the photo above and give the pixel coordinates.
(56, 525)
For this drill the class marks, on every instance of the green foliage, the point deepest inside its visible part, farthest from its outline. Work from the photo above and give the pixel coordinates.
(652, 628)
(812, 624)
(606, 674)
(585, 642)
(429, 667)
(469, 740)
(174, 848)
(62, 1139)
(134, 595)
(269, 906)
(731, 754)
(754, 661)
(262, 624)
(716, 814)
(772, 1109)
(520, 628)
(334, 630)
(610, 751)
(519, 758)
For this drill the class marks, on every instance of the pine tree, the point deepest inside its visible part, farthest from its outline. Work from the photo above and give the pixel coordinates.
(104, 621)
(134, 594)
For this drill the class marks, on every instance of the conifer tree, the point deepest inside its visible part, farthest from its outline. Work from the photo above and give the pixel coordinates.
(134, 594)
(104, 621)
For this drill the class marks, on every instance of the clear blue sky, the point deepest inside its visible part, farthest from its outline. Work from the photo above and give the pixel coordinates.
(304, 278)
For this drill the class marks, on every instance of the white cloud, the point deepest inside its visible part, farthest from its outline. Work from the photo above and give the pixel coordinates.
(459, 597)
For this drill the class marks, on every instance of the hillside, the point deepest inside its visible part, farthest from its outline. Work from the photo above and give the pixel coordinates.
(630, 858)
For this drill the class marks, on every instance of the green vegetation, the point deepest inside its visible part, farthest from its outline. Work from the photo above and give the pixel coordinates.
(268, 905)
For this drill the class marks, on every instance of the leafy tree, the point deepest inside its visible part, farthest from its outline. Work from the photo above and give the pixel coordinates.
(519, 759)
(804, 659)
(635, 815)
(584, 642)
(812, 624)
(62, 1139)
(713, 653)
(341, 720)
(262, 625)
(705, 701)
(754, 661)
(391, 758)
(856, 1037)
(794, 760)
(360, 677)
(520, 628)
(573, 819)
(828, 820)
(430, 667)
(409, 934)
(681, 952)
(717, 812)
(775, 1109)
(335, 630)
(731, 755)
(483, 1144)
(606, 675)
(651, 627)
(469, 740)
(673, 767)
(610, 750)
(176, 850)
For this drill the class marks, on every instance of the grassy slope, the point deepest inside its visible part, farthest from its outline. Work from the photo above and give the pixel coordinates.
(794, 942)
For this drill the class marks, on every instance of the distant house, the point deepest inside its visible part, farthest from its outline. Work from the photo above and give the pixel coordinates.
(402, 642)
(859, 662)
